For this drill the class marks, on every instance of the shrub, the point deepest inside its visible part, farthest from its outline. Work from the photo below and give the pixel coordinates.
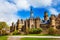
(3, 32)
(35, 30)
(52, 30)
(15, 32)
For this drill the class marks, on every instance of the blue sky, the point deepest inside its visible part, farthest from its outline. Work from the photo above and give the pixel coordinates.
(11, 10)
(38, 12)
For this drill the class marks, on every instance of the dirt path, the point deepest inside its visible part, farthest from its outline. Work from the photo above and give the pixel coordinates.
(18, 37)
(13, 38)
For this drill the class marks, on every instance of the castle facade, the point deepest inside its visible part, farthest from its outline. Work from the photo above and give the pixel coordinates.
(23, 25)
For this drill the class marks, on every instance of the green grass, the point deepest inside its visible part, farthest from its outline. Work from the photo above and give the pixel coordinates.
(3, 37)
(39, 39)
(37, 35)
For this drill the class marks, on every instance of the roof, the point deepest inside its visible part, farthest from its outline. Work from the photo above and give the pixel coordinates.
(45, 22)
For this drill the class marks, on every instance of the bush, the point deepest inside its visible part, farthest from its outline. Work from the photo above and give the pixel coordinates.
(3, 32)
(35, 31)
(52, 30)
(15, 32)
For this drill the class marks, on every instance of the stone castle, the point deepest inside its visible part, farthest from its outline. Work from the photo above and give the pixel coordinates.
(23, 25)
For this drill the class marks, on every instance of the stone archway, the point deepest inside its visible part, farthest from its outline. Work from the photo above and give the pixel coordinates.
(32, 26)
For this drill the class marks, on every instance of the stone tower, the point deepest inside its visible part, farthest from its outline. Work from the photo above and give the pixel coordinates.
(12, 27)
(31, 20)
(18, 24)
(26, 26)
(31, 23)
(45, 15)
(37, 22)
(12, 24)
(52, 21)
(26, 23)
(31, 13)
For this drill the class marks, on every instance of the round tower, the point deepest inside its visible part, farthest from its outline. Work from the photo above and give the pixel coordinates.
(26, 26)
(45, 15)
(12, 24)
(52, 21)
(37, 22)
(18, 22)
(12, 27)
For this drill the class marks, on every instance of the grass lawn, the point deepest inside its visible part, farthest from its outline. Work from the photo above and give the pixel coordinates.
(39, 39)
(3, 37)
(38, 35)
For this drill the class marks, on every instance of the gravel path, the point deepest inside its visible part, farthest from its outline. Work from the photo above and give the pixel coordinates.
(18, 37)
(13, 38)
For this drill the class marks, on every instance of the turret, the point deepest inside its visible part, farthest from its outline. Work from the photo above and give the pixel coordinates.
(26, 26)
(45, 15)
(18, 23)
(37, 22)
(12, 27)
(31, 13)
(12, 24)
(31, 20)
(58, 15)
(52, 21)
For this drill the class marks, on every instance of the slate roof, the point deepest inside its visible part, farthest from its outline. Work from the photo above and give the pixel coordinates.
(45, 22)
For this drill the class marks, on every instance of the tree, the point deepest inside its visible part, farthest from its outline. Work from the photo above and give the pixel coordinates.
(3, 25)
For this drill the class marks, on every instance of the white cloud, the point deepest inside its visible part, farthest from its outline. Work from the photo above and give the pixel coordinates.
(53, 11)
(40, 3)
(8, 10)
(25, 4)
(22, 4)
(55, 2)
